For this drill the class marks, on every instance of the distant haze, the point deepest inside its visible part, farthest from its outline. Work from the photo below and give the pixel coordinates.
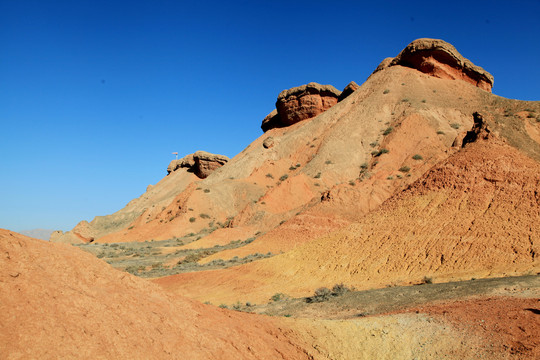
(43, 234)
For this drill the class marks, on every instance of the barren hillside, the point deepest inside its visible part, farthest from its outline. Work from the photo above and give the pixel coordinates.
(473, 215)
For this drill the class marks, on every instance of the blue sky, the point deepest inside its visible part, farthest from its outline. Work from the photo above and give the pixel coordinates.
(95, 95)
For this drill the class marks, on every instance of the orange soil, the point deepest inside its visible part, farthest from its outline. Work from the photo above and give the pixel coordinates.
(59, 302)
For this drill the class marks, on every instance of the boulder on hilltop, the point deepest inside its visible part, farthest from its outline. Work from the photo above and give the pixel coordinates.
(306, 101)
(301, 103)
(201, 163)
(440, 59)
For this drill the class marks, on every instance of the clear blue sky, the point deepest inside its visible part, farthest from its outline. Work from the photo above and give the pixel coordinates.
(95, 95)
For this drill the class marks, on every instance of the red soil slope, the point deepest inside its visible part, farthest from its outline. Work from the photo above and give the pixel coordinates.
(59, 302)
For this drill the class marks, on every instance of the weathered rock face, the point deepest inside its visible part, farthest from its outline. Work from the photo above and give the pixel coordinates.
(349, 89)
(271, 121)
(306, 101)
(440, 59)
(206, 163)
(301, 103)
(201, 163)
(479, 131)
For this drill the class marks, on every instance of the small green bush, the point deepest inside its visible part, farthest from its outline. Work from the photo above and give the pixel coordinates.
(455, 125)
(388, 131)
(206, 190)
(440, 132)
(328, 162)
(339, 289)
(277, 297)
(204, 216)
(380, 152)
(269, 176)
(321, 294)
(192, 219)
(284, 177)
(417, 157)
(317, 176)
(292, 168)
(386, 91)
(404, 169)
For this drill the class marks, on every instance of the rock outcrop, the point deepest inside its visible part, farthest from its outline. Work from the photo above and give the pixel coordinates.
(201, 163)
(479, 130)
(271, 121)
(268, 142)
(187, 161)
(304, 102)
(440, 59)
(301, 103)
(349, 89)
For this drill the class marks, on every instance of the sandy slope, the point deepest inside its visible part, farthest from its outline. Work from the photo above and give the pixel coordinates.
(473, 215)
(59, 302)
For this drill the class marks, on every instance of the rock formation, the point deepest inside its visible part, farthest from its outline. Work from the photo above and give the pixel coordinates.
(306, 101)
(201, 163)
(440, 59)
(271, 121)
(268, 142)
(349, 89)
(301, 103)
(479, 130)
